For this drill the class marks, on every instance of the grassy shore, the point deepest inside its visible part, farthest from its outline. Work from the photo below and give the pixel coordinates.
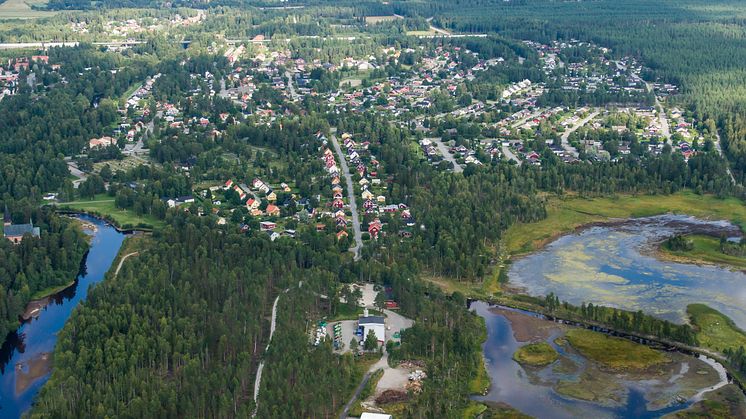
(46, 292)
(104, 205)
(564, 215)
(536, 354)
(715, 330)
(705, 251)
(614, 353)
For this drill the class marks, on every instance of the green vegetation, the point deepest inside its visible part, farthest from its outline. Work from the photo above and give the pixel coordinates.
(38, 267)
(566, 214)
(705, 250)
(23, 9)
(370, 387)
(105, 206)
(715, 330)
(46, 292)
(615, 353)
(536, 354)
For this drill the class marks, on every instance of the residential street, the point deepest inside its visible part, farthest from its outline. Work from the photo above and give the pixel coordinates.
(565, 144)
(357, 234)
(447, 154)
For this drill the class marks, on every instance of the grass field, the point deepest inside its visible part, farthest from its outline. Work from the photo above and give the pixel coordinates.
(715, 330)
(536, 354)
(706, 251)
(104, 205)
(566, 214)
(21, 9)
(615, 353)
(372, 20)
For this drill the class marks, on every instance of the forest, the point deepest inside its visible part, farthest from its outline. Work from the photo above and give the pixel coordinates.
(37, 264)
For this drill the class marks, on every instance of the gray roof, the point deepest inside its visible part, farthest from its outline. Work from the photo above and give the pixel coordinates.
(371, 320)
(20, 230)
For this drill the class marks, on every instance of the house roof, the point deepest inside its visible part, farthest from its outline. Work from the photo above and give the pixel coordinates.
(371, 320)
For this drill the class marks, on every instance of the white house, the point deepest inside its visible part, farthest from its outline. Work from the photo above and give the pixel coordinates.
(374, 323)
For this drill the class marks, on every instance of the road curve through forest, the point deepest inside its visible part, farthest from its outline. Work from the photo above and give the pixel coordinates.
(121, 262)
(358, 235)
(260, 369)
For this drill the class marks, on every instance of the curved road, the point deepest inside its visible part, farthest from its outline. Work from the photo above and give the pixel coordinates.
(358, 235)
(121, 262)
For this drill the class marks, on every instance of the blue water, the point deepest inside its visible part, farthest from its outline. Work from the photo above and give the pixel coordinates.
(614, 266)
(510, 383)
(38, 336)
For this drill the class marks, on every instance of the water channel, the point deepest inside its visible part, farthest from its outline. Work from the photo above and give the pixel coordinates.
(26, 356)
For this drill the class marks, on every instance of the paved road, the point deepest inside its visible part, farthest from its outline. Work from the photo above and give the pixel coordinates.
(565, 144)
(79, 174)
(447, 154)
(382, 363)
(291, 88)
(358, 235)
(510, 156)
(662, 119)
(526, 119)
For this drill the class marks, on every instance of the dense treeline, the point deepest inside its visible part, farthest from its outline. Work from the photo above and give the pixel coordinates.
(179, 331)
(37, 264)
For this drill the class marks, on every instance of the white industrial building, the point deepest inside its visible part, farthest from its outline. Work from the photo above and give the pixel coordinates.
(374, 323)
(367, 415)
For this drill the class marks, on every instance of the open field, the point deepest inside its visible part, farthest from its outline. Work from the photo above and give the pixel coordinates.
(566, 214)
(706, 251)
(714, 329)
(21, 9)
(536, 354)
(372, 20)
(104, 205)
(615, 353)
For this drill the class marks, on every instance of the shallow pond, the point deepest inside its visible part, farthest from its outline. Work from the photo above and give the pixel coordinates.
(613, 265)
(25, 358)
(534, 391)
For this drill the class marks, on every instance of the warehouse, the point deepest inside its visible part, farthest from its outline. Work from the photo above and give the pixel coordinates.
(374, 323)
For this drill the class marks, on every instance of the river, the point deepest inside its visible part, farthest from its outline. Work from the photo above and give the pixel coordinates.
(534, 391)
(25, 358)
(614, 265)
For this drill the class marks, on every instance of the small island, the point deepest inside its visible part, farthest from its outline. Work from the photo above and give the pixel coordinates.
(705, 250)
(537, 354)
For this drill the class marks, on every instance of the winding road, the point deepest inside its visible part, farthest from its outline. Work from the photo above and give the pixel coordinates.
(358, 235)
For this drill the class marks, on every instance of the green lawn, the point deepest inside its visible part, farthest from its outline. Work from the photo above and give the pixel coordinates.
(615, 353)
(104, 205)
(706, 250)
(715, 330)
(566, 214)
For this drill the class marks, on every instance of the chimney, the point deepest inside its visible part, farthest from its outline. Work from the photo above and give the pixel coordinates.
(365, 312)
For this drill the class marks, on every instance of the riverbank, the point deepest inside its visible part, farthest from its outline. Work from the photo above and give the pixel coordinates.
(705, 251)
(568, 214)
(103, 206)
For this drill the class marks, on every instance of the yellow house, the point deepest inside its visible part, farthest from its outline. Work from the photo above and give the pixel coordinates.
(367, 195)
(272, 197)
(381, 199)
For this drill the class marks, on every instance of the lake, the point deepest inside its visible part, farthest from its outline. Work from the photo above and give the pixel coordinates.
(25, 358)
(613, 265)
